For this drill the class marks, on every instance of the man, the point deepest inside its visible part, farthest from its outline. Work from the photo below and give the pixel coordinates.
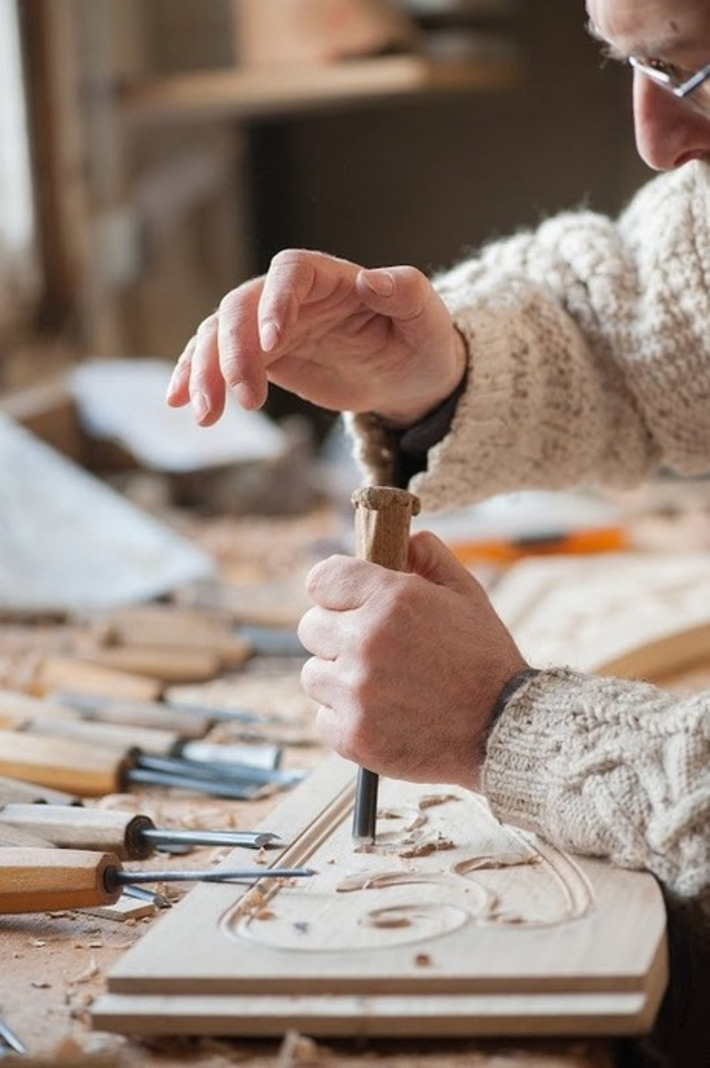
(579, 352)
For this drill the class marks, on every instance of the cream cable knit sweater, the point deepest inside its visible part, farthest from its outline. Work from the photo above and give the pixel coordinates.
(590, 363)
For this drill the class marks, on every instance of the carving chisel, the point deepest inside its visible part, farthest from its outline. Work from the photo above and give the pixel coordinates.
(35, 716)
(382, 519)
(112, 831)
(42, 880)
(90, 771)
(100, 706)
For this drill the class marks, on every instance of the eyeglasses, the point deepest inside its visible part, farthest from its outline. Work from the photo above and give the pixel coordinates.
(677, 81)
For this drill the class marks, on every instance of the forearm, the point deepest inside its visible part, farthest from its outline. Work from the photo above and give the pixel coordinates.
(608, 768)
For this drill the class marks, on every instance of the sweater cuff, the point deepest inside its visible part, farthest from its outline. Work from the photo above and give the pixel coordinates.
(411, 444)
(516, 747)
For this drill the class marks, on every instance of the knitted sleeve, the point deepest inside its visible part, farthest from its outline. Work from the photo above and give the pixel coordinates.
(589, 353)
(608, 768)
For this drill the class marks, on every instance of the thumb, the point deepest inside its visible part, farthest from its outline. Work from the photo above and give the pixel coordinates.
(432, 560)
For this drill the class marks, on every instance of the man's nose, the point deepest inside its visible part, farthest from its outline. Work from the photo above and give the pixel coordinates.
(669, 131)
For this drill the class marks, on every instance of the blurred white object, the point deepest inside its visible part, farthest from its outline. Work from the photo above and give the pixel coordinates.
(69, 542)
(527, 514)
(124, 400)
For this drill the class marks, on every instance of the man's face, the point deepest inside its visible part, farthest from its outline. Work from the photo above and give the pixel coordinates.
(669, 131)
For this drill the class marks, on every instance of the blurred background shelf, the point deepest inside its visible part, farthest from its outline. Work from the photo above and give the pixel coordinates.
(269, 92)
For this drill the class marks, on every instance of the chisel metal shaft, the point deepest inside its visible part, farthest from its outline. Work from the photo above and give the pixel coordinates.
(122, 833)
(9, 1039)
(382, 518)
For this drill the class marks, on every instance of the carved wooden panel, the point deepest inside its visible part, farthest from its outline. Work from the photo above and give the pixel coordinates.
(638, 615)
(451, 924)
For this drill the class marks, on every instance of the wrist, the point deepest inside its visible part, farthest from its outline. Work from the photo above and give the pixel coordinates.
(450, 387)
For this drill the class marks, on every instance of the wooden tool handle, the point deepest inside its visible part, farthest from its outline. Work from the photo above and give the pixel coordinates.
(41, 880)
(103, 735)
(76, 767)
(21, 836)
(82, 828)
(12, 790)
(67, 673)
(382, 518)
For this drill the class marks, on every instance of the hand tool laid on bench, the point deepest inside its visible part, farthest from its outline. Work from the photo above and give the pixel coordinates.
(169, 715)
(110, 831)
(37, 716)
(91, 771)
(40, 880)
(382, 517)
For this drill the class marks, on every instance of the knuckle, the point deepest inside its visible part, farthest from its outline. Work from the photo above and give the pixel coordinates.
(206, 325)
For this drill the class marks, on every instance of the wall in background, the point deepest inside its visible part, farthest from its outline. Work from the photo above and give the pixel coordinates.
(421, 183)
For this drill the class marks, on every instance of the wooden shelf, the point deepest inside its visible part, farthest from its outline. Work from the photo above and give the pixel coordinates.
(253, 93)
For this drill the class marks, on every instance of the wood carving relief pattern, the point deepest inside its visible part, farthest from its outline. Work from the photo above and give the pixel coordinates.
(441, 862)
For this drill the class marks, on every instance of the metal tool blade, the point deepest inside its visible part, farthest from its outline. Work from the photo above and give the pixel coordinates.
(212, 786)
(139, 893)
(10, 1040)
(248, 839)
(236, 773)
(117, 877)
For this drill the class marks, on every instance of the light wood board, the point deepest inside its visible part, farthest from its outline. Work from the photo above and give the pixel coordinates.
(452, 925)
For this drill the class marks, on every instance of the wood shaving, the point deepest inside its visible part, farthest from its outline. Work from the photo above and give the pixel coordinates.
(297, 1049)
(91, 970)
(423, 849)
(430, 800)
(264, 914)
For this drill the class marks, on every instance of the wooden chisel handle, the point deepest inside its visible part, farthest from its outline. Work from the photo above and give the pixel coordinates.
(382, 520)
(61, 764)
(82, 828)
(13, 790)
(42, 880)
(104, 735)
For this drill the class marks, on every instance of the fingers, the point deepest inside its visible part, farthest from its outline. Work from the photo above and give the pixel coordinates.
(179, 387)
(297, 277)
(197, 378)
(344, 583)
(318, 632)
(431, 559)
(401, 293)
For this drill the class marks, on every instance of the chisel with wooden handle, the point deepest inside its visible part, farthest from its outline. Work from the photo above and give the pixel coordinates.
(382, 520)
(64, 723)
(41, 880)
(90, 771)
(111, 831)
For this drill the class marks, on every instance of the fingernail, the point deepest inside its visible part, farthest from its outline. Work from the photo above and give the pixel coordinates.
(200, 406)
(269, 335)
(380, 282)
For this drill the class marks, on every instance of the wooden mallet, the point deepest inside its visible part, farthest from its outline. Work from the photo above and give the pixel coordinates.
(382, 518)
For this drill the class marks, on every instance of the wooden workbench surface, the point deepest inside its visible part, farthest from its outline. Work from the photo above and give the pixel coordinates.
(55, 965)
